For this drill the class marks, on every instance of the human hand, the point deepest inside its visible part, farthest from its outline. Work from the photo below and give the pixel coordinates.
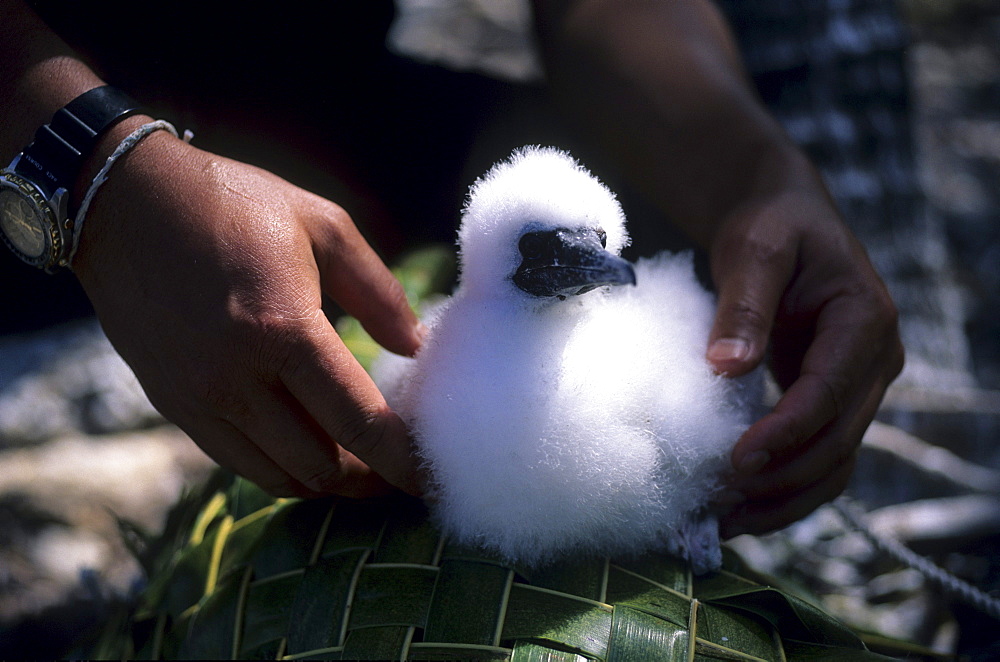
(789, 270)
(207, 275)
(662, 89)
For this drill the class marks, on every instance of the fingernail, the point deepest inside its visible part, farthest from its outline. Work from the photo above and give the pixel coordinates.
(753, 462)
(728, 349)
(420, 332)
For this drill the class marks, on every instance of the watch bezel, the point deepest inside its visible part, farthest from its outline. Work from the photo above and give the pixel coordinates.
(52, 207)
(47, 168)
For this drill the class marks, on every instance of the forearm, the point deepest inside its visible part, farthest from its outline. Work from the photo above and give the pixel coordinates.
(40, 75)
(661, 87)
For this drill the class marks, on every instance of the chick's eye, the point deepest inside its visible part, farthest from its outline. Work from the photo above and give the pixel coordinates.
(531, 245)
(603, 236)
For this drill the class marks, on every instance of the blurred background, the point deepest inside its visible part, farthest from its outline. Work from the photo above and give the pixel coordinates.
(81, 448)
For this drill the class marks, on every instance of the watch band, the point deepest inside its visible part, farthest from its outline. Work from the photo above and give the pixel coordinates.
(57, 153)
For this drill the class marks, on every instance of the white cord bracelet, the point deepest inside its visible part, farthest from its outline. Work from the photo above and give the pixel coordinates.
(128, 143)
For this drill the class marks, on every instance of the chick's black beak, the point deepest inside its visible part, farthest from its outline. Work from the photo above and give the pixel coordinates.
(565, 262)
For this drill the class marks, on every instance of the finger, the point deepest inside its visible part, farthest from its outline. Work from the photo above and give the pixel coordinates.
(833, 371)
(762, 516)
(338, 394)
(281, 428)
(353, 274)
(209, 423)
(830, 448)
(750, 276)
(231, 449)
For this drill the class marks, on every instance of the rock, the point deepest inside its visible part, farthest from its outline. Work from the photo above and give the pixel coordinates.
(59, 508)
(65, 380)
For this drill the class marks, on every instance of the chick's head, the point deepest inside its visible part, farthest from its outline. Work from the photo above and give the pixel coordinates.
(537, 221)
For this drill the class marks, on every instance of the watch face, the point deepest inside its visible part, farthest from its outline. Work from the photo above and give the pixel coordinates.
(22, 223)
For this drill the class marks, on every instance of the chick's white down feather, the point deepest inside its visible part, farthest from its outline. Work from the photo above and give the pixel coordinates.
(586, 424)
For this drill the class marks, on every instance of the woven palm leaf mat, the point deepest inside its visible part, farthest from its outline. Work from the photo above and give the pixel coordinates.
(238, 574)
(249, 576)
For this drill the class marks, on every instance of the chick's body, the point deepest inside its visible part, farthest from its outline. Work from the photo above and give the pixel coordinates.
(589, 423)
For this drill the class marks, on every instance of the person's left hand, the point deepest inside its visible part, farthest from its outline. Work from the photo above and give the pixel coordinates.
(207, 275)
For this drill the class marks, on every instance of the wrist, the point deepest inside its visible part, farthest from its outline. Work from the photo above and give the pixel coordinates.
(779, 181)
(104, 148)
(35, 218)
(776, 227)
(125, 192)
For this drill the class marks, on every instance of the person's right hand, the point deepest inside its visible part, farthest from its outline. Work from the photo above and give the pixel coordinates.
(789, 272)
(207, 276)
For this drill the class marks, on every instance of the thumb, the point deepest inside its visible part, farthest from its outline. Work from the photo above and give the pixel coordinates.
(750, 283)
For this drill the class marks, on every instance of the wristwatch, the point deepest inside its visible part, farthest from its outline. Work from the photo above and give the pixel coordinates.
(34, 189)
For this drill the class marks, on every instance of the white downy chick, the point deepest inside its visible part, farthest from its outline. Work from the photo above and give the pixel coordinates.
(562, 401)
